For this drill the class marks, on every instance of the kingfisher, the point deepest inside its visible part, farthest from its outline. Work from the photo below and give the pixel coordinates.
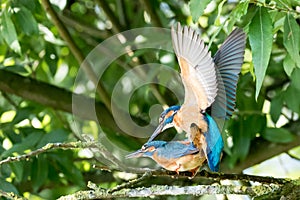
(210, 89)
(175, 156)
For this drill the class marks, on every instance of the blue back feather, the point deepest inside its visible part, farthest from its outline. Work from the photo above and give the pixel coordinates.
(175, 149)
(214, 144)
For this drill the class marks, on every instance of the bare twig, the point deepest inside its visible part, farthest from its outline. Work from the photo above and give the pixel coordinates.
(77, 53)
(49, 146)
(276, 8)
(130, 183)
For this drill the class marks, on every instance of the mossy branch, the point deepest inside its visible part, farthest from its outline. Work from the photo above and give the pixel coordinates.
(162, 190)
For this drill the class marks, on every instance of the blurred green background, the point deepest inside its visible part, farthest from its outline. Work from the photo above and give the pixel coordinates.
(38, 68)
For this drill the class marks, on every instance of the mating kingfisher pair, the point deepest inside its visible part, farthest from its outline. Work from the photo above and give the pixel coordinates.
(210, 89)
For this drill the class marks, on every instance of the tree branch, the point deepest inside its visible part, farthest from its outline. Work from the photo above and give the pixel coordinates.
(273, 6)
(10, 195)
(64, 33)
(47, 147)
(162, 190)
(151, 11)
(56, 98)
(117, 27)
(82, 27)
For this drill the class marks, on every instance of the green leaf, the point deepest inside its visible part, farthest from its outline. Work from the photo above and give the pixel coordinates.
(291, 38)
(291, 97)
(22, 113)
(242, 134)
(260, 36)
(7, 186)
(27, 143)
(278, 135)
(18, 169)
(9, 33)
(276, 106)
(51, 58)
(39, 173)
(295, 77)
(197, 8)
(59, 135)
(239, 11)
(26, 21)
(65, 163)
(288, 65)
(220, 9)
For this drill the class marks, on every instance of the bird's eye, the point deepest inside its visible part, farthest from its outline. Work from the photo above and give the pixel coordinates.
(144, 147)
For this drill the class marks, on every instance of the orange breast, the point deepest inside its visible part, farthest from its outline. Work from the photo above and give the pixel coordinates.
(184, 163)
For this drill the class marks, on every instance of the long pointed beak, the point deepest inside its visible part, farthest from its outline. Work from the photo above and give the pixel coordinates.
(136, 154)
(157, 131)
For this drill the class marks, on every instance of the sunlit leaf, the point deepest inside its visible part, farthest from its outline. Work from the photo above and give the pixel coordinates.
(22, 113)
(239, 11)
(27, 143)
(291, 38)
(8, 32)
(220, 8)
(197, 8)
(260, 36)
(278, 135)
(26, 21)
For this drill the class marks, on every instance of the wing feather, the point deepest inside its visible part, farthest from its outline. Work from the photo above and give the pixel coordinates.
(228, 60)
(197, 67)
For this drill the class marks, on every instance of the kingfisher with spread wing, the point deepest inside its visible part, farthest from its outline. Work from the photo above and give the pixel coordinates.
(210, 87)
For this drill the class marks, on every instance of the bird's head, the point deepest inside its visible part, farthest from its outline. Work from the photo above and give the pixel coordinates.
(165, 121)
(147, 149)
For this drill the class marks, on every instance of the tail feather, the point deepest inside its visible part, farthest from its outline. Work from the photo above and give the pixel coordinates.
(214, 144)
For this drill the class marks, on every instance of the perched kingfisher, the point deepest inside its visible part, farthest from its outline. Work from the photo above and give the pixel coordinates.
(210, 87)
(174, 155)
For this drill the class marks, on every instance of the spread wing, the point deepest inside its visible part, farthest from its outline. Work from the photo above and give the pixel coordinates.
(228, 59)
(197, 67)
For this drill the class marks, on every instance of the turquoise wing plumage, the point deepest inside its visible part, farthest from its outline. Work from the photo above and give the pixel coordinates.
(176, 149)
(214, 144)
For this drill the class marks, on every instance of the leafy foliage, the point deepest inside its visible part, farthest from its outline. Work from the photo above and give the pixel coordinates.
(31, 45)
